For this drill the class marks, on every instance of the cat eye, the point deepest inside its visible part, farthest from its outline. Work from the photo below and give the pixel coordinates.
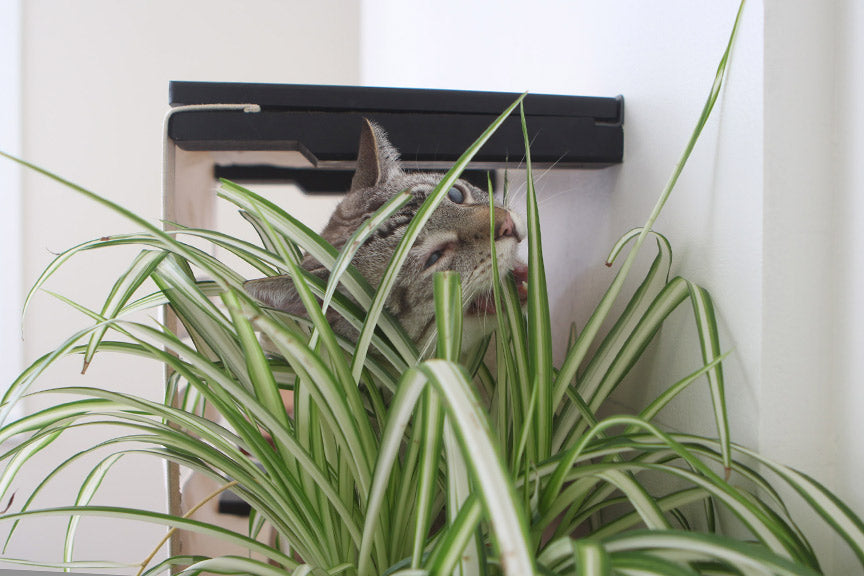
(433, 258)
(456, 195)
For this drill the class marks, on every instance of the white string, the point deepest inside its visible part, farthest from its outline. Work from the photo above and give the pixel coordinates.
(169, 149)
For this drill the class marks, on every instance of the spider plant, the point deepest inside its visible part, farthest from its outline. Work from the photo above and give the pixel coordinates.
(395, 463)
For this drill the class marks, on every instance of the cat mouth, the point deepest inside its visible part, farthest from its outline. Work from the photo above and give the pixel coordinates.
(484, 304)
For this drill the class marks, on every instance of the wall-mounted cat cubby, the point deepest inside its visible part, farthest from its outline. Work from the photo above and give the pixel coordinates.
(299, 144)
(308, 134)
(431, 127)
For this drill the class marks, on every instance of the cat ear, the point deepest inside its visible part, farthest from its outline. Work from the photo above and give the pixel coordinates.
(377, 159)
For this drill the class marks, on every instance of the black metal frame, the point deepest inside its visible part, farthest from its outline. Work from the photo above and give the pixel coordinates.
(431, 128)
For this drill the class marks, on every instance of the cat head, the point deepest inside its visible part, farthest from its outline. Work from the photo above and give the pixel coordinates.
(456, 238)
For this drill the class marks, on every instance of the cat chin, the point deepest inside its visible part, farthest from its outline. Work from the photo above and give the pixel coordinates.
(484, 304)
(479, 319)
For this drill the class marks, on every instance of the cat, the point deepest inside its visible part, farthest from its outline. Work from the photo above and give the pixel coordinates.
(456, 237)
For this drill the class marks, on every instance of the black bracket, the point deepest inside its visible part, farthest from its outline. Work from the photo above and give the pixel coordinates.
(431, 128)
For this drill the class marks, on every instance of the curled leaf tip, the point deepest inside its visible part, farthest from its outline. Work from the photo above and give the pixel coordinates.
(8, 504)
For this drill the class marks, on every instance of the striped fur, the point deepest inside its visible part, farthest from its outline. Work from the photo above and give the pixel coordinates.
(455, 238)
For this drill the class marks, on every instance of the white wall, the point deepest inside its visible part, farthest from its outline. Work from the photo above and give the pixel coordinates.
(662, 57)
(767, 216)
(800, 389)
(847, 261)
(95, 89)
(10, 191)
(814, 247)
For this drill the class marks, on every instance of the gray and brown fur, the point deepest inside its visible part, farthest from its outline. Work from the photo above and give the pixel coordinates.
(459, 231)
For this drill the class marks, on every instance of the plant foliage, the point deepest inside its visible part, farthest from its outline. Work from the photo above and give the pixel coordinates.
(399, 464)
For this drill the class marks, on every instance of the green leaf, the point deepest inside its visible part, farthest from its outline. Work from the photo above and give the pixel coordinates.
(22, 455)
(670, 393)
(262, 260)
(319, 249)
(756, 518)
(656, 277)
(578, 557)
(28, 376)
(639, 563)
(402, 407)
(432, 420)
(447, 291)
(412, 231)
(129, 282)
(64, 256)
(706, 324)
(85, 494)
(353, 244)
(539, 322)
(831, 509)
(352, 429)
(487, 469)
(260, 375)
(79, 565)
(689, 546)
(577, 354)
(159, 518)
(240, 565)
(596, 387)
(462, 529)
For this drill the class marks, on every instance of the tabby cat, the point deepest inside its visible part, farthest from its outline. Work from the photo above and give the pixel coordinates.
(455, 238)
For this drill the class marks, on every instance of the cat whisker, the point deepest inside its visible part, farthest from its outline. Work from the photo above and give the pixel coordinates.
(557, 194)
(427, 348)
(545, 172)
(542, 198)
(522, 190)
(519, 194)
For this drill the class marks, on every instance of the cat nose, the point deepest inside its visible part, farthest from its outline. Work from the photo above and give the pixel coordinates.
(505, 226)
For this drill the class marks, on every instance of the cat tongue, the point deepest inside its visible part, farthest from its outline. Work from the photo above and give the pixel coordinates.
(486, 304)
(520, 275)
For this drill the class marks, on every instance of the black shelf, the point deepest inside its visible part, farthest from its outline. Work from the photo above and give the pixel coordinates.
(431, 128)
